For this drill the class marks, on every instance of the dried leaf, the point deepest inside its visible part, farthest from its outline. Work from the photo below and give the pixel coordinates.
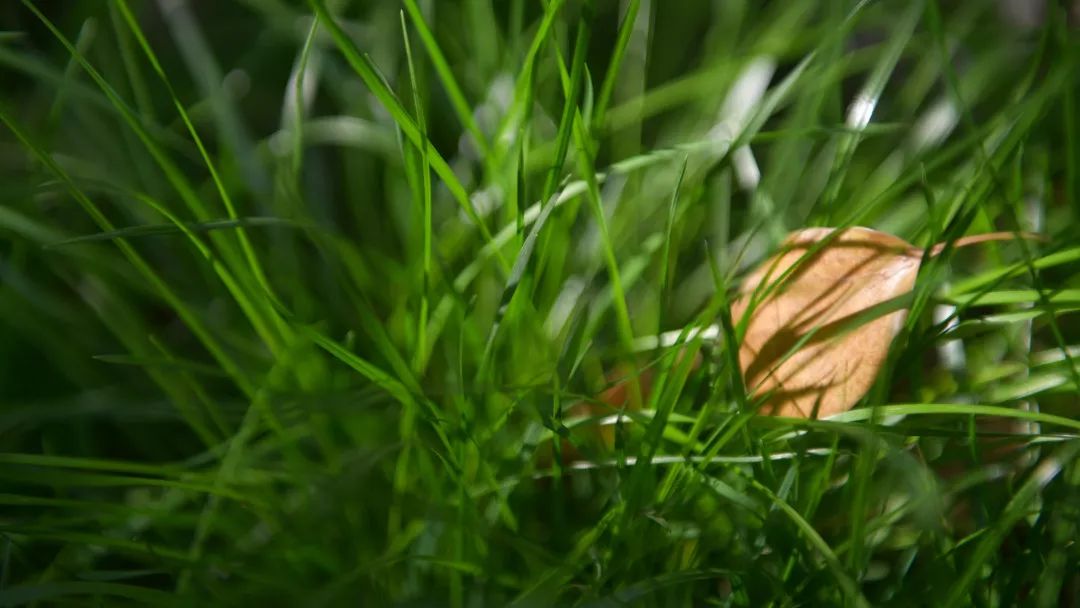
(809, 348)
(806, 352)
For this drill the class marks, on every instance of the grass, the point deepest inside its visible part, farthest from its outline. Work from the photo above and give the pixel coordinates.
(312, 304)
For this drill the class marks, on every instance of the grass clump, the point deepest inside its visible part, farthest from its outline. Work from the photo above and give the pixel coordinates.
(316, 303)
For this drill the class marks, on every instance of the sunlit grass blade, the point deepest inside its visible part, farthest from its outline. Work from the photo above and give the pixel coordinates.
(167, 293)
(446, 77)
(364, 67)
(170, 229)
(176, 178)
(1017, 508)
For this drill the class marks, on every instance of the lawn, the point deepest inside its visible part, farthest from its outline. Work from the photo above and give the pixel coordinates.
(430, 302)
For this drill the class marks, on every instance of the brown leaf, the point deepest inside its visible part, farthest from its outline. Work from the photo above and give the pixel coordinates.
(829, 373)
(805, 353)
(821, 299)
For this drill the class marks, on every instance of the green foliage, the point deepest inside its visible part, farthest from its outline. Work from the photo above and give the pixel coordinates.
(312, 304)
